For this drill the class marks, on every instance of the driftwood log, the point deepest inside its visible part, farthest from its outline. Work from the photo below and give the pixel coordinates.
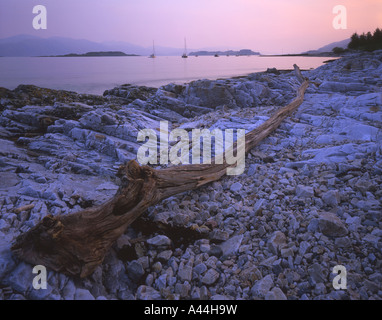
(77, 243)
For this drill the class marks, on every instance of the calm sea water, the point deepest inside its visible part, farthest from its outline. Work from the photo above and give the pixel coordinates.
(95, 75)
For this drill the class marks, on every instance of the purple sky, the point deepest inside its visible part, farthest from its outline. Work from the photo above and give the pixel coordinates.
(269, 26)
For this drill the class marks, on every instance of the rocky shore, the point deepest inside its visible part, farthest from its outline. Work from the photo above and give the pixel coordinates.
(309, 199)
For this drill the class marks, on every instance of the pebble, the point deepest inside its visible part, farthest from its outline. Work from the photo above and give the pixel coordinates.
(161, 282)
(219, 235)
(258, 205)
(164, 256)
(331, 225)
(262, 287)
(215, 251)
(7, 262)
(157, 267)
(320, 289)
(135, 271)
(185, 272)
(276, 240)
(159, 240)
(331, 198)
(210, 277)
(343, 242)
(205, 248)
(304, 247)
(147, 293)
(20, 279)
(287, 252)
(231, 246)
(309, 199)
(316, 272)
(183, 289)
(83, 294)
(236, 187)
(275, 294)
(304, 191)
(200, 268)
(69, 291)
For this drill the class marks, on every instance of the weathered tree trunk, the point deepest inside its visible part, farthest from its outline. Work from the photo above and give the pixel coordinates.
(76, 244)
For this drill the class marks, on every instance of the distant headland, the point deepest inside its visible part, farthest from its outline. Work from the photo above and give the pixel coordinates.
(243, 52)
(96, 54)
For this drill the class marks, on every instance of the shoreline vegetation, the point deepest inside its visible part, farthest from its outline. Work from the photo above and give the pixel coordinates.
(322, 54)
(367, 41)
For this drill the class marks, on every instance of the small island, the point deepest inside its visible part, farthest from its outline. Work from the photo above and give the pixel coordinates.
(243, 52)
(97, 54)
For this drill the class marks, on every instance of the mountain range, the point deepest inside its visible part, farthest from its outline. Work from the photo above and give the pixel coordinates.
(242, 52)
(331, 46)
(28, 45)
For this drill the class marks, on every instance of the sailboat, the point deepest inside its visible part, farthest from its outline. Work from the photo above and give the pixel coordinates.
(185, 49)
(153, 54)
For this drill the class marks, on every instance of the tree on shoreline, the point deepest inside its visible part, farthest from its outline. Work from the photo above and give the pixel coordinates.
(366, 41)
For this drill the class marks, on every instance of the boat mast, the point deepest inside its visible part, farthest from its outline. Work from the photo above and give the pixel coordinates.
(185, 49)
(153, 54)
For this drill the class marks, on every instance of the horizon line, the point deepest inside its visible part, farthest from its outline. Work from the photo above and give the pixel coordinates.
(280, 52)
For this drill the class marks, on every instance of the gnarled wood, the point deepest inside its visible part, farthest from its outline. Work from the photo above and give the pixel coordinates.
(76, 244)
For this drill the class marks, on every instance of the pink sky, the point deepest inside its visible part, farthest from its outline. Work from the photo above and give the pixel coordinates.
(269, 26)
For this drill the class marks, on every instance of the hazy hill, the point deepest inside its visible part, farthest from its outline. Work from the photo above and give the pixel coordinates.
(96, 54)
(331, 46)
(242, 52)
(26, 46)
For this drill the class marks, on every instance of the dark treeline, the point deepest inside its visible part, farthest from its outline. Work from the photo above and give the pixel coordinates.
(366, 41)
